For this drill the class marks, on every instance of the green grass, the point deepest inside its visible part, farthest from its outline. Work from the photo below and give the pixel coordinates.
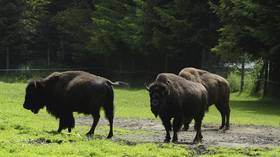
(25, 134)
(241, 152)
(244, 108)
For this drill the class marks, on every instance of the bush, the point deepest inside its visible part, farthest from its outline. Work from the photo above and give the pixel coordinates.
(251, 75)
(234, 81)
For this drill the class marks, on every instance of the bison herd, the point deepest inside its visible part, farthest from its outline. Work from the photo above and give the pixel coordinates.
(183, 98)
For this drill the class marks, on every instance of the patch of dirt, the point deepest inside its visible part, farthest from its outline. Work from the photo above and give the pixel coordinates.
(153, 131)
(43, 141)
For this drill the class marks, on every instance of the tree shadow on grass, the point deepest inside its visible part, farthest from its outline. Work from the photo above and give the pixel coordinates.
(262, 106)
(52, 132)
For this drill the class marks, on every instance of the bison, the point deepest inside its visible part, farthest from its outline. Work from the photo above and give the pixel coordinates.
(218, 91)
(63, 93)
(174, 97)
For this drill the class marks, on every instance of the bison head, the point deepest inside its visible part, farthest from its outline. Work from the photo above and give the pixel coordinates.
(34, 96)
(158, 94)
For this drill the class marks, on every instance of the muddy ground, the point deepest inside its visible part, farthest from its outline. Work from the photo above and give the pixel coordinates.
(142, 131)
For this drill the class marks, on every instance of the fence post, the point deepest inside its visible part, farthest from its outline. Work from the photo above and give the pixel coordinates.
(7, 58)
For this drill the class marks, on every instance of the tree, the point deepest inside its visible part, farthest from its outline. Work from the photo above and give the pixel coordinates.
(115, 31)
(179, 28)
(250, 27)
(10, 28)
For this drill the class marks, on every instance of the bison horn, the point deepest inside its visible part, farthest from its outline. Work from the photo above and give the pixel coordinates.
(147, 87)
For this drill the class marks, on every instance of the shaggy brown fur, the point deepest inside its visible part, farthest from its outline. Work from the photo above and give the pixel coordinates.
(72, 91)
(218, 91)
(174, 97)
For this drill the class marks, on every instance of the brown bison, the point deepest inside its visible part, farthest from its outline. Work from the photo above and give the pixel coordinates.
(174, 97)
(72, 91)
(218, 91)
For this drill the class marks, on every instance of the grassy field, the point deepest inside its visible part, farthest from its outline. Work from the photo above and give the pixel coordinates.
(25, 134)
(244, 109)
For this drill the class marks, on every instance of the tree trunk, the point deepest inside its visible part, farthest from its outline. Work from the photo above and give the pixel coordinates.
(166, 63)
(266, 77)
(121, 68)
(62, 55)
(7, 58)
(258, 86)
(48, 53)
(242, 75)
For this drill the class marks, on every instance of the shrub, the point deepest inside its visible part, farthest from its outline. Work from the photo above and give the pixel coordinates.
(234, 81)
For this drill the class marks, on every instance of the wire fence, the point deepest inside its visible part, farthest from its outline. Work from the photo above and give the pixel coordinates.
(136, 78)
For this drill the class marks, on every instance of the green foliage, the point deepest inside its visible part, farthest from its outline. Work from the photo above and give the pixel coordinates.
(174, 29)
(11, 12)
(250, 78)
(115, 28)
(234, 81)
(249, 27)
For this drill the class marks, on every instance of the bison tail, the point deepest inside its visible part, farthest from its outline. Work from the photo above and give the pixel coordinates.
(118, 83)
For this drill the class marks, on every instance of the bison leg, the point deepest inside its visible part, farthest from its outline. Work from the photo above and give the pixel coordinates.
(96, 118)
(110, 119)
(177, 123)
(227, 118)
(223, 115)
(167, 125)
(197, 126)
(59, 127)
(71, 122)
(187, 121)
(109, 112)
(62, 125)
(66, 121)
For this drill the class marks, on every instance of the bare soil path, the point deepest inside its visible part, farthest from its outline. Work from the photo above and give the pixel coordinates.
(153, 131)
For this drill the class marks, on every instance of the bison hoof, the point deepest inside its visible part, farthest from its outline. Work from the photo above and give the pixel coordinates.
(69, 130)
(174, 140)
(226, 128)
(59, 130)
(221, 127)
(89, 135)
(109, 136)
(196, 141)
(167, 140)
(186, 128)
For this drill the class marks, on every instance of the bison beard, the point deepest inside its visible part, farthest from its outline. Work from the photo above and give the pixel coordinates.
(72, 91)
(218, 92)
(174, 97)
